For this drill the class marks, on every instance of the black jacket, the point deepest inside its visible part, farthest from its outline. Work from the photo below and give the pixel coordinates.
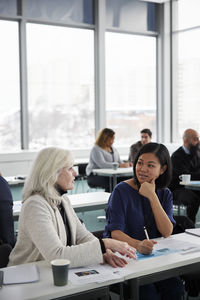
(183, 163)
(6, 214)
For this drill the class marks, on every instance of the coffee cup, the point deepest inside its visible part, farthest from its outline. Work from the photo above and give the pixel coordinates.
(185, 178)
(115, 165)
(60, 268)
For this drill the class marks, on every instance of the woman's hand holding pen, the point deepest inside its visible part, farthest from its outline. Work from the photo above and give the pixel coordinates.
(145, 246)
(121, 247)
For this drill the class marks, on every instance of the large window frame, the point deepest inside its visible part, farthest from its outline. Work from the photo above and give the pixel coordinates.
(99, 44)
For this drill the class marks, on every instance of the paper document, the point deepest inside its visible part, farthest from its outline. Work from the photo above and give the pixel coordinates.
(21, 274)
(181, 246)
(93, 273)
(193, 231)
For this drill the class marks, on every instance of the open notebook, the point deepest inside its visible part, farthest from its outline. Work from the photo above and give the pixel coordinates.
(193, 231)
(21, 274)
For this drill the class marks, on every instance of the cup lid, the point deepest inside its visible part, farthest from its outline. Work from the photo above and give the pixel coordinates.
(60, 262)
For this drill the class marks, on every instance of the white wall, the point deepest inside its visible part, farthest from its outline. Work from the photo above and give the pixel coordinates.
(12, 164)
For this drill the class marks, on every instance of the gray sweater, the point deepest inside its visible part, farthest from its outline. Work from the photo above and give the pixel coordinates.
(102, 159)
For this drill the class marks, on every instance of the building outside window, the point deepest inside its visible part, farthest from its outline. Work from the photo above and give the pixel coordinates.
(186, 60)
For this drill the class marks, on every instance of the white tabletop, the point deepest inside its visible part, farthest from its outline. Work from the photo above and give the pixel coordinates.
(44, 289)
(111, 172)
(14, 180)
(166, 262)
(193, 183)
(77, 200)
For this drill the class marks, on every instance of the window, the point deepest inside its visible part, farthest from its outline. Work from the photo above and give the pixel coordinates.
(186, 61)
(60, 86)
(9, 91)
(73, 11)
(130, 85)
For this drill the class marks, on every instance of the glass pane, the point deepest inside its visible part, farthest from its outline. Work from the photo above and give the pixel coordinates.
(60, 86)
(8, 7)
(186, 14)
(9, 91)
(131, 15)
(130, 85)
(187, 82)
(78, 11)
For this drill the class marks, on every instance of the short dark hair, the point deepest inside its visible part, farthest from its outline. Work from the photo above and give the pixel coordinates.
(146, 130)
(103, 137)
(163, 156)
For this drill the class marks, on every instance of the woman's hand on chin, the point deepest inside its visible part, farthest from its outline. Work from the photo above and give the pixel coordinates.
(113, 260)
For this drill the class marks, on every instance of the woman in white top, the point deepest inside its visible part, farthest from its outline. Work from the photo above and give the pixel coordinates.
(48, 225)
(102, 156)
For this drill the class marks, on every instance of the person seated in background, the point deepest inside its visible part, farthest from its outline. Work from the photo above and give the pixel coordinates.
(7, 235)
(102, 156)
(186, 160)
(144, 201)
(146, 136)
(48, 226)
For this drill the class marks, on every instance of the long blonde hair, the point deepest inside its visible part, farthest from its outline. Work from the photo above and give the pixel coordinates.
(44, 173)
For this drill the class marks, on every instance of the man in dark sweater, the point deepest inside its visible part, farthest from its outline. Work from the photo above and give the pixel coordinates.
(186, 160)
(146, 136)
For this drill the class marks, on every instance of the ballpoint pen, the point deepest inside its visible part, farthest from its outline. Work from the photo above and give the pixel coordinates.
(146, 233)
(1, 279)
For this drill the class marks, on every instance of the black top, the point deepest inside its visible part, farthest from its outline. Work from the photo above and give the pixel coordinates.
(66, 223)
(7, 235)
(183, 163)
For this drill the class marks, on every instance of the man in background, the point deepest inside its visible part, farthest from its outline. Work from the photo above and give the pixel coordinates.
(146, 136)
(186, 160)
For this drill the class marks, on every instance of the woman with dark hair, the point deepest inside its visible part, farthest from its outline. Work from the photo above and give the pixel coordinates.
(102, 156)
(144, 201)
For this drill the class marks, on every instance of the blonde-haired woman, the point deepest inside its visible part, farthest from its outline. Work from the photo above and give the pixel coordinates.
(48, 225)
(102, 156)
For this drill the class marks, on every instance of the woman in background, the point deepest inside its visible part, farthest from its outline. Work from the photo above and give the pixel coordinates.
(144, 201)
(102, 156)
(48, 226)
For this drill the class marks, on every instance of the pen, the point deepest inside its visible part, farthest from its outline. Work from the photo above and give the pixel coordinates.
(1, 279)
(146, 233)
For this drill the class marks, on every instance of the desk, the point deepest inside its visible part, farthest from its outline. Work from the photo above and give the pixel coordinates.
(159, 268)
(44, 289)
(12, 180)
(137, 272)
(192, 185)
(113, 174)
(80, 202)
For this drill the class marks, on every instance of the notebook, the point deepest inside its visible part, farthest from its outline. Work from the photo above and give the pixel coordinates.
(193, 231)
(21, 274)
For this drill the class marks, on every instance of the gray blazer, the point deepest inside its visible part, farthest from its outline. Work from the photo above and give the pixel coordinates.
(42, 235)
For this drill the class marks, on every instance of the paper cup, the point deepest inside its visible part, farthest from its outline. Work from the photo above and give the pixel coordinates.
(115, 165)
(60, 269)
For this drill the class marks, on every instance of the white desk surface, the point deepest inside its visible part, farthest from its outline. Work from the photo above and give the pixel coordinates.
(77, 201)
(192, 183)
(44, 289)
(165, 262)
(12, 180)
(111, 172)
